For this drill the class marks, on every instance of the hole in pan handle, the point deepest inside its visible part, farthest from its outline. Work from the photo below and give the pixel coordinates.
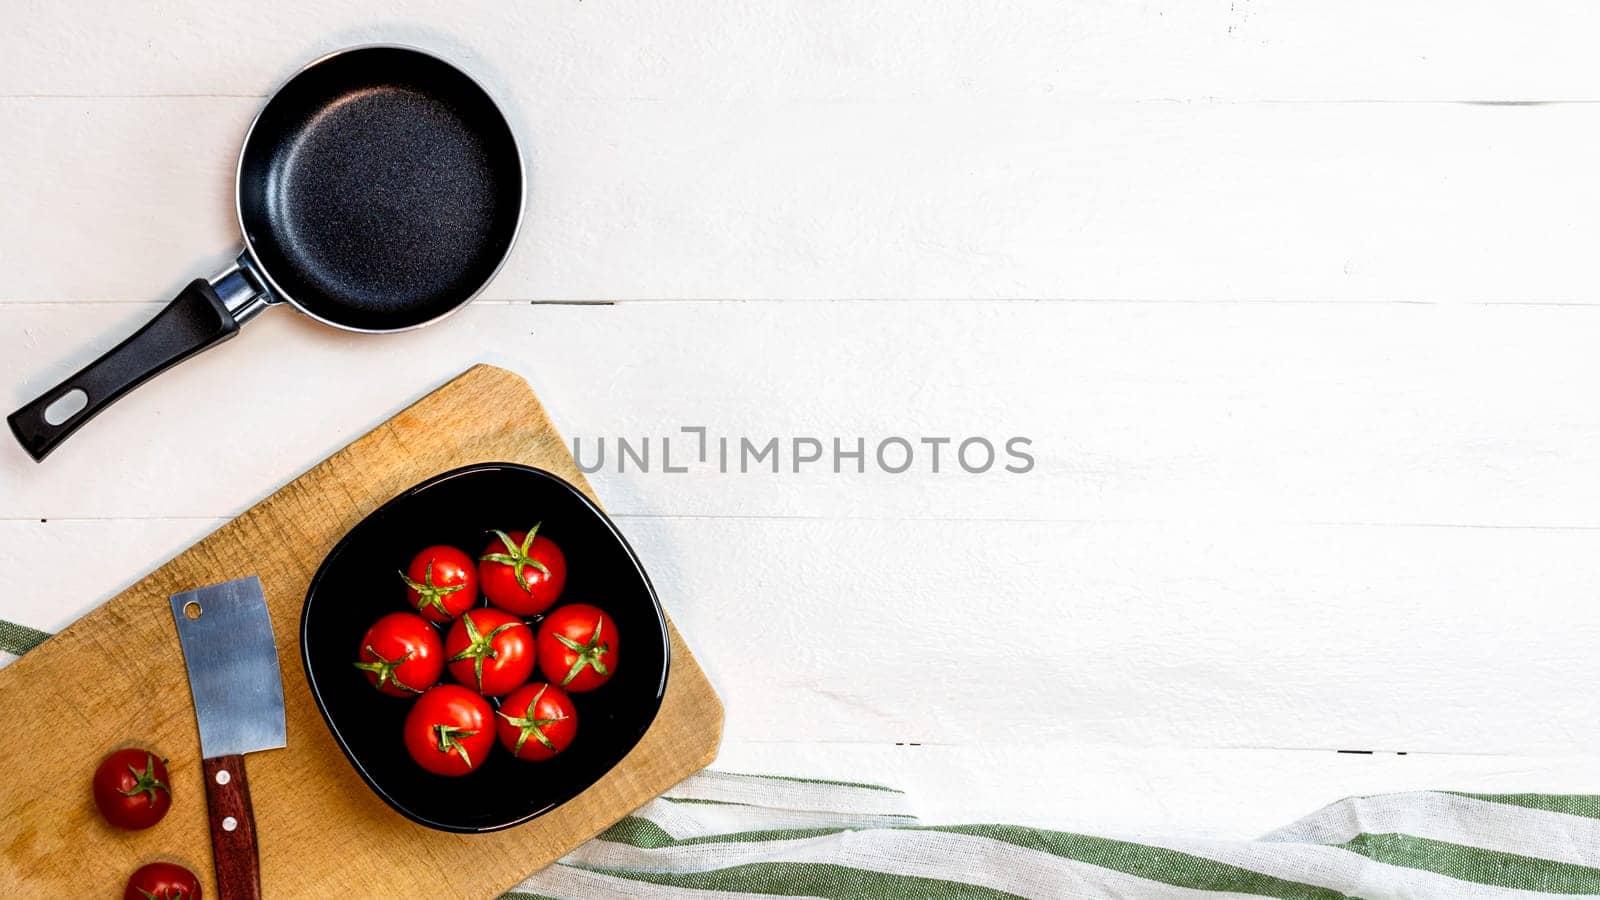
(196, 319)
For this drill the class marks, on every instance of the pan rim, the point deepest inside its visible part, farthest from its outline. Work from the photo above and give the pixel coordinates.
(274, 291)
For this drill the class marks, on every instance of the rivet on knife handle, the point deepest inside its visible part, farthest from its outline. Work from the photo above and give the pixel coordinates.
(233, 829)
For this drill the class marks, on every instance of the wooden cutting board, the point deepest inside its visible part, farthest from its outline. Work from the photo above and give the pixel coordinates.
(116, 677)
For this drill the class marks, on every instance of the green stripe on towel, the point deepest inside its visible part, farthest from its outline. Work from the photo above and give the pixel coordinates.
(19, 639)
(791, 879)
(1507, 870)
(1586, 805)
(1154, 863)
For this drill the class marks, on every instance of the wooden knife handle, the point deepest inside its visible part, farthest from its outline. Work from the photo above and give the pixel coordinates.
(233, 829)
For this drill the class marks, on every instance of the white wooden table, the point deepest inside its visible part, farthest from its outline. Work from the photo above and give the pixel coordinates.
(1294, 300)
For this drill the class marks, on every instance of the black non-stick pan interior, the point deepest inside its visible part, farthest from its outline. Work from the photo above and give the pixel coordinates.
(380, 189)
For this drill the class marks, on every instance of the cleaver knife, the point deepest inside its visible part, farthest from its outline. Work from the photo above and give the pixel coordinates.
(228, 649)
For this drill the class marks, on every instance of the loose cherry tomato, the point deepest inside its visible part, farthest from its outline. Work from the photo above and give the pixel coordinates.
(537, 721)
(401, 654)
(441, 583)
(578, 647)
(450, 730)
(490, 650)
(162, 881)
(522, 573)
(131, 788)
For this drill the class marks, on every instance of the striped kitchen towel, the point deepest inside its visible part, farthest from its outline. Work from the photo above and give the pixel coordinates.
(724, 835)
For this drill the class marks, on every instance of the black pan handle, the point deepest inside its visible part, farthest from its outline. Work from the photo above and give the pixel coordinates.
(195, 320)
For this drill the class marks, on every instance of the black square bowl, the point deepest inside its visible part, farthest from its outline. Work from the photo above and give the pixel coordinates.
(357, 583)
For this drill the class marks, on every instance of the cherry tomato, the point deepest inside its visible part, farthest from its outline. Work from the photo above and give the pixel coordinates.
(578, 647)
(537, 721)
(522, 573)
(490, 650)
(441, 583)
(162, 881)
(401, 654)
(131, 788)
(450, 730)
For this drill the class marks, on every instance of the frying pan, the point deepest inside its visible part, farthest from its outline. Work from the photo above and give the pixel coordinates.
(379, 189)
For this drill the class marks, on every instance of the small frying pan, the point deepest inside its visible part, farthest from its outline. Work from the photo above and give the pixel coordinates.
(378, 190)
